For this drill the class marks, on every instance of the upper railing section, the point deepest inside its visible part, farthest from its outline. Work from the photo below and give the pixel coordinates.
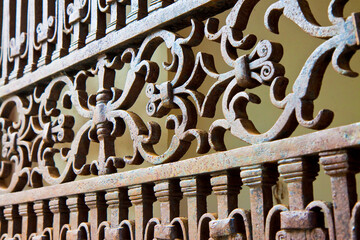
(41, 38)
(54, 51)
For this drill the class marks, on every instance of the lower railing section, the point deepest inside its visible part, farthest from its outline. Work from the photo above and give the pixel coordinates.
(98, 208)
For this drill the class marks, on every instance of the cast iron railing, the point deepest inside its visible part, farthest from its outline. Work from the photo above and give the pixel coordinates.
(51, 50)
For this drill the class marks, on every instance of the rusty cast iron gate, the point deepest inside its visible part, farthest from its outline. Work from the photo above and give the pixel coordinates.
(51, 50)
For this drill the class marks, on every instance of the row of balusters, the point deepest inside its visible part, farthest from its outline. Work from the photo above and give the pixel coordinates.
(104, 215)
(36, 32)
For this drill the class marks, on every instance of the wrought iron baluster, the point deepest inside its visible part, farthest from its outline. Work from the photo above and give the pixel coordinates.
(63, 39)
(169, 195)
(117, 15)
(142, 197)
(46, 31)
(118, 202)
(78, 17)
(260, 179)
(97, 22)
(341, 167)
(28, 225)
(3, 222)
(9, 9)
(138, 10)
(35, 10)
(11, 214)
(19, 43)
(60, 215)
(226, 186)
(78, 227)
(118, 225)
(299, 174)
(97, 213)
(195, 189)
(43, 215)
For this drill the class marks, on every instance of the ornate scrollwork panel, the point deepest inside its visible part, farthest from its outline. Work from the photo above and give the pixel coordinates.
(30, 144)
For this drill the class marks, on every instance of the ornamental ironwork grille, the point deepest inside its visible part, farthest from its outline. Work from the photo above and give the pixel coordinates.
(91, 61)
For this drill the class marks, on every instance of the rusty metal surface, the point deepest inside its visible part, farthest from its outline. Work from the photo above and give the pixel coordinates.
(342, 138)
(51, 50)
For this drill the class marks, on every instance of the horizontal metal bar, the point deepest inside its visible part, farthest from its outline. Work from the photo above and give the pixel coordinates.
(114, 42)
(310, 144)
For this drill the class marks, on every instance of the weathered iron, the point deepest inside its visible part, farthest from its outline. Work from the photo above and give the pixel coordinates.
(50, 51)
